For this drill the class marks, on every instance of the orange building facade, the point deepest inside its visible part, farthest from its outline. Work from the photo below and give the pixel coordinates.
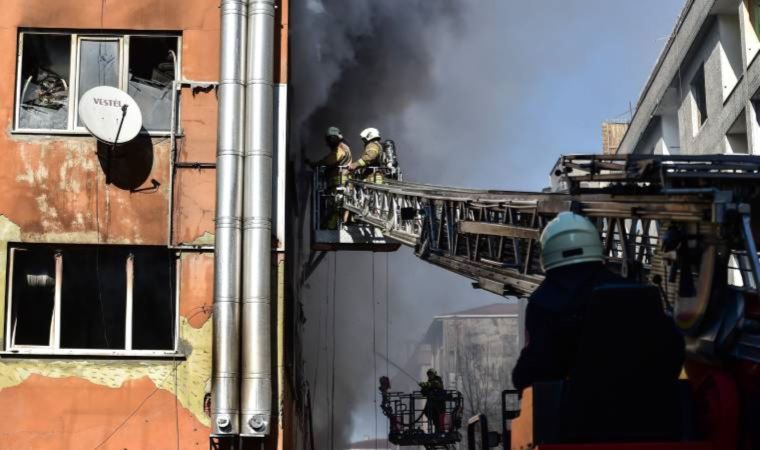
(107, 254)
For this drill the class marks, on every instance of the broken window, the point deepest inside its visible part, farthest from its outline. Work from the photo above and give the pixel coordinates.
(151, 73)
(44, 81)
(84, 299)
(57, 67)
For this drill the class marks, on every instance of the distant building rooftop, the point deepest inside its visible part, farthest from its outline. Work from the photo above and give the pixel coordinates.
(370, 444)
(495, 310)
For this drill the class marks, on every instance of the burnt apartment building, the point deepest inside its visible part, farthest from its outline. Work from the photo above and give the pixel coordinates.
(107, 254)
(702, 96)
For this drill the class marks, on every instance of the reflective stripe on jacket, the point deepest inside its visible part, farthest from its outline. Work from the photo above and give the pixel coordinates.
(371, 154)
(338, 157)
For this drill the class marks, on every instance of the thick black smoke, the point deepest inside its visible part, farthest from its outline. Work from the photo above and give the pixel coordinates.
(358, 63)
(480, 93)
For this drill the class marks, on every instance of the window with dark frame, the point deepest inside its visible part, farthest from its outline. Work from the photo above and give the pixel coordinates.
(99, 65)
(699, 92)
(56, 68)
(44, 82)
(33, 284)
(151, 73)
(753, 8)
(756, 107)
(91, 298)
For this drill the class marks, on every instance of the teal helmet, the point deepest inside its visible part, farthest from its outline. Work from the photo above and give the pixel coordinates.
(569, 239)
(333, 132)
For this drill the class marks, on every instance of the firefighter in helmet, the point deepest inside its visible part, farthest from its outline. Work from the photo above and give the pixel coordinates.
(435, 406)
(369, 163)
(336, 164)
(572, 258)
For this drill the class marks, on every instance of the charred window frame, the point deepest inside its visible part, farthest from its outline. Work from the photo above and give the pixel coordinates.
(55, 68)
(92, 300)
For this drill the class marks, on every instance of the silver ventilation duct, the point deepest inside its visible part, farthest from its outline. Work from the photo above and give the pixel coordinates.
(256, 382)
(225, 401)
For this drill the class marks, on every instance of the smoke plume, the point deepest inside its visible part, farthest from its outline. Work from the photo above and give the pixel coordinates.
(477, 93)
(360, 63)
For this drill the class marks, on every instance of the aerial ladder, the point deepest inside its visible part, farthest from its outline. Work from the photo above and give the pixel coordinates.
(681, 223)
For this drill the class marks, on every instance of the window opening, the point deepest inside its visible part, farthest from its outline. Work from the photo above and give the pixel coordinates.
(756, 108)
(153, 299)
(151, 73)
(699, 92)
(44, 82)
(55, 68)
(33, 283)
(736, 137)
(753, 7)
(92, 298)
(98, 65)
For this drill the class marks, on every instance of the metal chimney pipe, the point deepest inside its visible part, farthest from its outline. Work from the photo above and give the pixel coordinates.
(225, 400)
(256, 382)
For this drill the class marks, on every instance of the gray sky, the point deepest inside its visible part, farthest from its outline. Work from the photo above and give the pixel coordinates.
(485, 93)
(530, 81)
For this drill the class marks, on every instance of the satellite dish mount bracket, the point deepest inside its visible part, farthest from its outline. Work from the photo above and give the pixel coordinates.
(112, 149)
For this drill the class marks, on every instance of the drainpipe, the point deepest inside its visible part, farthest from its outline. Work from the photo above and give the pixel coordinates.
(176, 86)
(256, 377)
(225, 400)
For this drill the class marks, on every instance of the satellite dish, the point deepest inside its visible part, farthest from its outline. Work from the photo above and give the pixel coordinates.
(110, 114)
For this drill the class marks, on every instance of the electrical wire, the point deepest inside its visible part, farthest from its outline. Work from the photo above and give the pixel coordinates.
(176, 397)
(332, 388)
(175, 363)
(387, 329)
(97, 207)
(374, 347)
(102, 13)
(172, 278)
(328, 347)
(387, 316)
(134, 411)
(322, 310)
(97, 259)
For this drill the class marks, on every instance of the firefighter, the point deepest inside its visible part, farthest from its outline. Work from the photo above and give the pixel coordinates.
(571, 256)
(369, 163)
(385, 404)
(336, 163)
(435, 406)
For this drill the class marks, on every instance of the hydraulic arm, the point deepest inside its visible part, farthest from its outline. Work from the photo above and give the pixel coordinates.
(681, 223)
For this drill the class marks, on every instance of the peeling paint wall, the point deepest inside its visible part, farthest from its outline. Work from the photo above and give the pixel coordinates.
(53, 190)
(53, 187)
(194, 196)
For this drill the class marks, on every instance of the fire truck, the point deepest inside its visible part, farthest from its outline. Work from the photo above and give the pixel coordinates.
(682, 227)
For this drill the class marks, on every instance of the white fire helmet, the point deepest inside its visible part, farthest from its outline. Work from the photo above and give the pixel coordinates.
(569, 239)
(370, 134)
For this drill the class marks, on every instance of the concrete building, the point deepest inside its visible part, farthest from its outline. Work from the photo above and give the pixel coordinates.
(702, 96)
(108, 286)
(474, 351)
